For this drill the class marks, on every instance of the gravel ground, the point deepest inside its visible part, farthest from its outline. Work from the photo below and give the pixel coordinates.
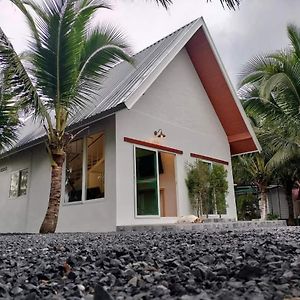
(241, 264)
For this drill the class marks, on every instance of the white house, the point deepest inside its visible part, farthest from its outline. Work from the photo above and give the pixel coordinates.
(128, 165)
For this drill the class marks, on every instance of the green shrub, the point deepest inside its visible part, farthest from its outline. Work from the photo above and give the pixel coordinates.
(197, 182)
(207, 186)
(247, 207)
(272, 217)
(218, 188)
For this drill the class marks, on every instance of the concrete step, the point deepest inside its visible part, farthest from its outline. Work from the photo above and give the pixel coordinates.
(205, 226)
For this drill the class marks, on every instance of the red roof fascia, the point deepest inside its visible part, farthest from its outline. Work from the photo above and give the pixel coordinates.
(216, 87)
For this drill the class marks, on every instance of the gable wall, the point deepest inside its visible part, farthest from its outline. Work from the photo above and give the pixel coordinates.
(178, 104)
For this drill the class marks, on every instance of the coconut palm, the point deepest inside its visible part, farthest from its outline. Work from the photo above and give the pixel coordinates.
(270, 91)
(9, 120)
(68, 59)
(257, 168)
(288, 176)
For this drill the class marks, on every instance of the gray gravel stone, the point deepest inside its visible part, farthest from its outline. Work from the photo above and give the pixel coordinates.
(229, 264)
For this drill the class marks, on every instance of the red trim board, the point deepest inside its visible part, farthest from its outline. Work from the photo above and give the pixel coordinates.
(210, 72)
(152, 145)
(216, 160)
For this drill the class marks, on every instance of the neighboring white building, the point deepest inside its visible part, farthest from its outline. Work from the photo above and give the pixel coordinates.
(128, 165)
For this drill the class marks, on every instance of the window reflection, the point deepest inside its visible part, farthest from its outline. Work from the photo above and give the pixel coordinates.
(93, 149)
(14, 185)
(95, 166)
(23, 182)
(73, 190)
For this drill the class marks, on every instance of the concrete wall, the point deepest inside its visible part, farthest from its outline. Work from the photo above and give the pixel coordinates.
(178, 104)
(277, 203)
(25, 214)
(100, 214)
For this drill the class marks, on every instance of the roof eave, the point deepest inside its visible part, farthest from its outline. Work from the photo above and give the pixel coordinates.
(75, 127)
(233, 93)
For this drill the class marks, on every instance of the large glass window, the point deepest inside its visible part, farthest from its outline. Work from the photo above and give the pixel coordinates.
(146, 182)
(216, 202)
(95, 167)
(23, 182)
(85, 169)
(18, 183)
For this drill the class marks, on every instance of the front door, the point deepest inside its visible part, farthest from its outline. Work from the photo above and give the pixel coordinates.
(147, 196)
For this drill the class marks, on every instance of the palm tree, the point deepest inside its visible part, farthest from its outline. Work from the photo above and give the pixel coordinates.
(68, 61)
(288, 175)
(9, 120)
(270, 92)
(270, 88)
(258, 170)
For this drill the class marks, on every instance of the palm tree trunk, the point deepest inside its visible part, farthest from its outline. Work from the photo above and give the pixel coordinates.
(263, 203)
(50, 221)
(201, 206)
(288, 186)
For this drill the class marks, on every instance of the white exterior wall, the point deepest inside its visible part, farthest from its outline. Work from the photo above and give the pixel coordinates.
(25, 214)
(95, 215)
(178, 104)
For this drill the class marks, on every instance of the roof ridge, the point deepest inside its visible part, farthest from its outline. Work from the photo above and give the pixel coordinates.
(167, 36)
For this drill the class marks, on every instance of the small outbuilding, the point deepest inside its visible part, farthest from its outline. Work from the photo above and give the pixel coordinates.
(127, 165)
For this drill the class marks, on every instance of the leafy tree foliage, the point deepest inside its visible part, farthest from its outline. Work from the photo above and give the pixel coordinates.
(208, 187)
(270, 92)
(258, 169)
(247, 207)
(218, 188)
(197, 182)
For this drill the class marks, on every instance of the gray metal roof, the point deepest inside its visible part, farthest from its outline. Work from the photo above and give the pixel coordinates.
(117, 88)
(125, 77)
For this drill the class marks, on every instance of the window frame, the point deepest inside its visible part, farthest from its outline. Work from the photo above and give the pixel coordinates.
(135, 184)
(19, 172)
(84, 173)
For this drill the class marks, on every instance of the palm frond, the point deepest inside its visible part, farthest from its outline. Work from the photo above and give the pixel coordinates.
(30, 20)
(258, 68)
(9, 121)
(281, 82)
(164, 3)
(102, 49)
(231, 4)
(294, 36)
(19, 80)
(85, 10)
(55, 62)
